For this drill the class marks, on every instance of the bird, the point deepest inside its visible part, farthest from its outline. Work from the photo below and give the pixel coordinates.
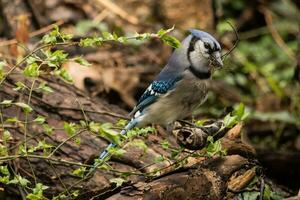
(181, 86)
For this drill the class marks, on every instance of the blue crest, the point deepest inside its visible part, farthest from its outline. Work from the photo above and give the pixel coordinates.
(201, 34)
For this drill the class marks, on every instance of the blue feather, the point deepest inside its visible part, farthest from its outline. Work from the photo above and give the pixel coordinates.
(157, 88)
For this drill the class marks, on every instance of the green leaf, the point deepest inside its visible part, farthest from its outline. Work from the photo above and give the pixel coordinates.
(52, 36)
(4, 179)
(140, 144)
(142, 36)
(121, 123)
(248, 195)
(95, 41)
(43, 145)
(80, 60)
(6, 102)
(117, 181)
(165, 144)
(32, 196)
(31, 60)
(214, 147)
(31, 70)
(158, 159)
(56, 58)
(77, 140)
(79, 172)
(122, 40)
(107, 36)
(49, 39)
(201, 122)
(20, 86)
(70, 128)
(107, 132)
(44, 88)
(119, 152)
(40, 119)
(171, 41)
(37, 192)
(94, 127)
(26, 108)
(267, 193)
(12, 120)
(2, 64)
(6, 135)
(163, 32)
(19, 180)
(64, 75)
(39, 188)
(4, 170)
(48, 129)
(230, 121)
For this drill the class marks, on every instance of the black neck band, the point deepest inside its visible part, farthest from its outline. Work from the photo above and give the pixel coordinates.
(200, 74)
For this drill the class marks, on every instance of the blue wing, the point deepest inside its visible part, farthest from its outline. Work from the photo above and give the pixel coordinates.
(156, 89)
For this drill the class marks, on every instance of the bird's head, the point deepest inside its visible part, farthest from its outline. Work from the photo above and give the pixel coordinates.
(203, 50)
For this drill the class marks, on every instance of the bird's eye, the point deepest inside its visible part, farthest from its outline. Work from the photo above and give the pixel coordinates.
(206, 45)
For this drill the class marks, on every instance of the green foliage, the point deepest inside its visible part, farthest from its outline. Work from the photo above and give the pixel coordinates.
(140, 144)
(79, 171)
(26, 108)
(19, 180)
(32, 70)
(169, 40)
(117, 181)
(70, 128)
(2, 64)
(63, 74)
(46, 60)
(106, 131)
(214, 147)
(44, 88)
(20, 86)
(37, 192)
(56, 36)
(239, 114)
(165, 144)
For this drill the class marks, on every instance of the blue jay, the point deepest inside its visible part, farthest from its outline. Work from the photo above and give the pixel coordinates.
(181, 86)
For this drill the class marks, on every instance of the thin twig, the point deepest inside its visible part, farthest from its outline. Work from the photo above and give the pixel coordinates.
(235, 44)
(33, 34)
(66, 140)
(60, 161)
(278, 39)
(58, 176)
(119, 11)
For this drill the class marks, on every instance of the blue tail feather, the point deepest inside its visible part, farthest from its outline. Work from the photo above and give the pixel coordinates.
(129, 126)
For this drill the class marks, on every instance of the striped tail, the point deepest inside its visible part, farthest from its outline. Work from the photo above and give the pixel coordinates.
(129, 126)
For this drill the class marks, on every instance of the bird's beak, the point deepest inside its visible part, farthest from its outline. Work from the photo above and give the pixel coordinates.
(217, 60)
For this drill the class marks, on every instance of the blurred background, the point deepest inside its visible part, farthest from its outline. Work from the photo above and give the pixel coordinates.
(263, 72)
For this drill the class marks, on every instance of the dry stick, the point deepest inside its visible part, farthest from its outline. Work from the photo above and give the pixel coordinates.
(278, 39)
(33, 34)
(101, 16)
(119, 11)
